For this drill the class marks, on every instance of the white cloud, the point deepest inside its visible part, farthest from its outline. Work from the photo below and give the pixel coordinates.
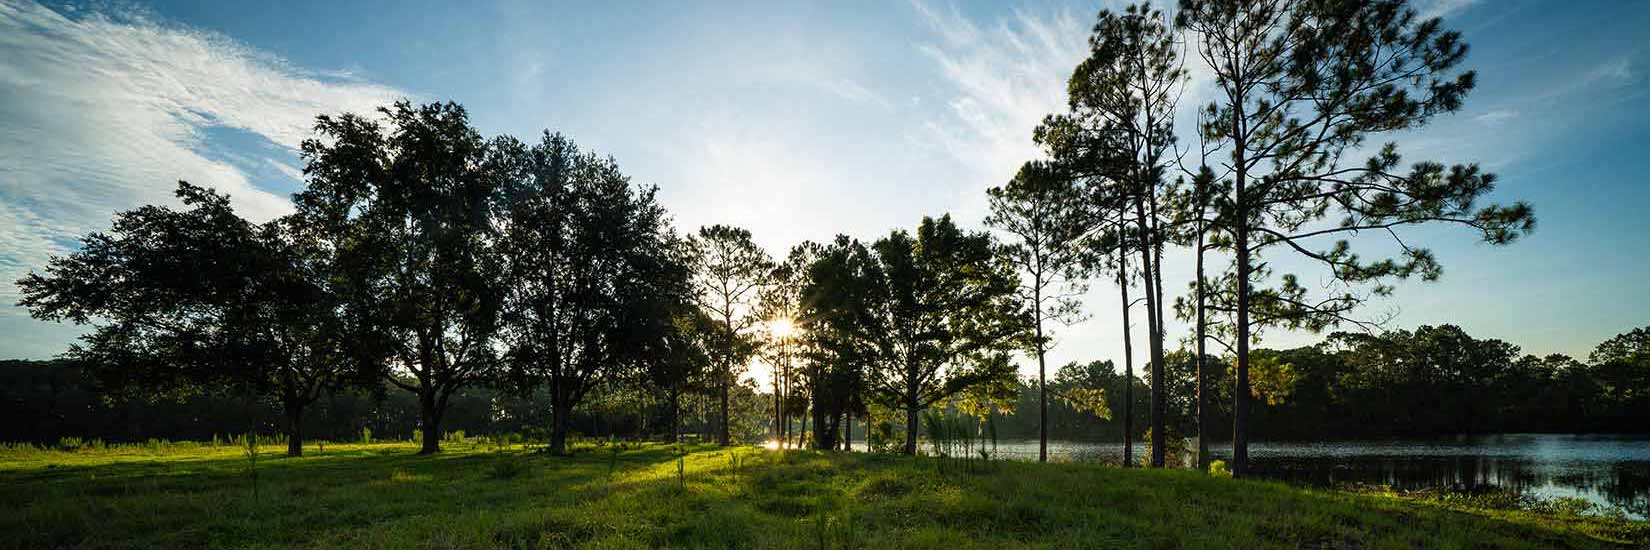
(1002, 83)
(106, 111)
(854, 91)
(1620, 68)
(286, 170)
(1497, 117)
(952, 26)
(1442, 8)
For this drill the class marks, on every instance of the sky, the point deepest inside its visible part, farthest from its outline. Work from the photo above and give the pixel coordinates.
(797, 121)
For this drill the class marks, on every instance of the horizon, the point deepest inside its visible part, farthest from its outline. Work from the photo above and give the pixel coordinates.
(796, 123)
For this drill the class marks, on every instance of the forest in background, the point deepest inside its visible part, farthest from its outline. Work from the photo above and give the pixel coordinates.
(1432, 381)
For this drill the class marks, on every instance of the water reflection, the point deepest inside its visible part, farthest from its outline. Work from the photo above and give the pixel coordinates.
(1604, 470)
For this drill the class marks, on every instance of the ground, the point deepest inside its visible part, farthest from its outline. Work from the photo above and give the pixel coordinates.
(482, 496)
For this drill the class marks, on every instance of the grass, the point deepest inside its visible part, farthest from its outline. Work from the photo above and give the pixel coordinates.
(477, 496)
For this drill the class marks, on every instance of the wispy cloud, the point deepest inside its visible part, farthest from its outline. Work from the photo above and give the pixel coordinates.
(1002, 82)
(1497, 117)
(1620, 68)
(852, 90)
(105, 111)
(1428, 9)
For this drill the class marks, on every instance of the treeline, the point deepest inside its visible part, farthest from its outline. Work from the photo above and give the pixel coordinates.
(424, 256)
(1432, 381)
(49, 401)
(1428, 382)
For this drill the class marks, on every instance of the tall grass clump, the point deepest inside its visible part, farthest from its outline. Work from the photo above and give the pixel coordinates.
(507, 468)
(681, 472)
(252, 462)
(612, 458)
(953, 436)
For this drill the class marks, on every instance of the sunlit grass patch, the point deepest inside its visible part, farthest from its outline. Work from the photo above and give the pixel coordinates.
(383, 495)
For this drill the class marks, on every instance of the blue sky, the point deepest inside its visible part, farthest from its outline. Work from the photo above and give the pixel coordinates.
(795, 120)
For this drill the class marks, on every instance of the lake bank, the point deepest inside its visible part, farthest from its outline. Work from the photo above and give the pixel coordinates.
(474, 496)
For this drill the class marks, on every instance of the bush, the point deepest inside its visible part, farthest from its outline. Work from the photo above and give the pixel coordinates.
(509, 468)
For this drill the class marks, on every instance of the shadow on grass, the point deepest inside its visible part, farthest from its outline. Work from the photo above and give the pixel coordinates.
(477, 497)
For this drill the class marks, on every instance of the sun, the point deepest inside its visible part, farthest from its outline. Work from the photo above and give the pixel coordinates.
(781, 328)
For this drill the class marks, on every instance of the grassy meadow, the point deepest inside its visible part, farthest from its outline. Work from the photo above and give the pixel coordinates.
(478, 495)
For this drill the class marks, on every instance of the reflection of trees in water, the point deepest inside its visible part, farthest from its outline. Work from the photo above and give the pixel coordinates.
(1624, 485)
(1628, 487)
(1619, 479)
(1401, 473)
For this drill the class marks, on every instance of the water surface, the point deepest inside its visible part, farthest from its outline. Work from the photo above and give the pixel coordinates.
(1602, 469)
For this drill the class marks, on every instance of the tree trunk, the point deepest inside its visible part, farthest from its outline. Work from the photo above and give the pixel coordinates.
(784, 401)
(824, 429)
(822, 435)
(1128, 364)
(801, 431)
(1154, 336)
(675, 415)
(558, 428)
(429, 421)
(1240, 393)
(1202, 329)
(294, 428)
(911, 427)
(1042, 377)
(1042, 399)
(778, 405)
(723, 437)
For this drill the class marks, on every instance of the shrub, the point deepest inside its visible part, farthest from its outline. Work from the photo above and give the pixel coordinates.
(509, 468)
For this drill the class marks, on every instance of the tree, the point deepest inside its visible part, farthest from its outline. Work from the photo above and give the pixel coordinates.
(1082, 386)
(1435, 379)
(406, 209)
(1049, 219)
(1301, 85)
(200, 300)
(1120, 126)
(729, 273)
(780, 304)
(1622, 367)
(1193, 223)
(838, 293)
(1202, 184)
(592, 276)
(682, 364)
(944, 312)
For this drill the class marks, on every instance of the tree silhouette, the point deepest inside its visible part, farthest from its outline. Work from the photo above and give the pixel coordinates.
(1116, 136)
(592, 276)
(944, 311)
(1303, 84)
(1049, 218)
(681, 363)
(1622, 367)
(201, 299)
(406, 208)
(837, 301)
(729, 274)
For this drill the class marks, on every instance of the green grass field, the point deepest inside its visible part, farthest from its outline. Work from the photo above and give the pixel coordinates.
(477, 496)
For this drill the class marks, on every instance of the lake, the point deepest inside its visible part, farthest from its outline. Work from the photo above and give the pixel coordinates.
(1603, 469)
